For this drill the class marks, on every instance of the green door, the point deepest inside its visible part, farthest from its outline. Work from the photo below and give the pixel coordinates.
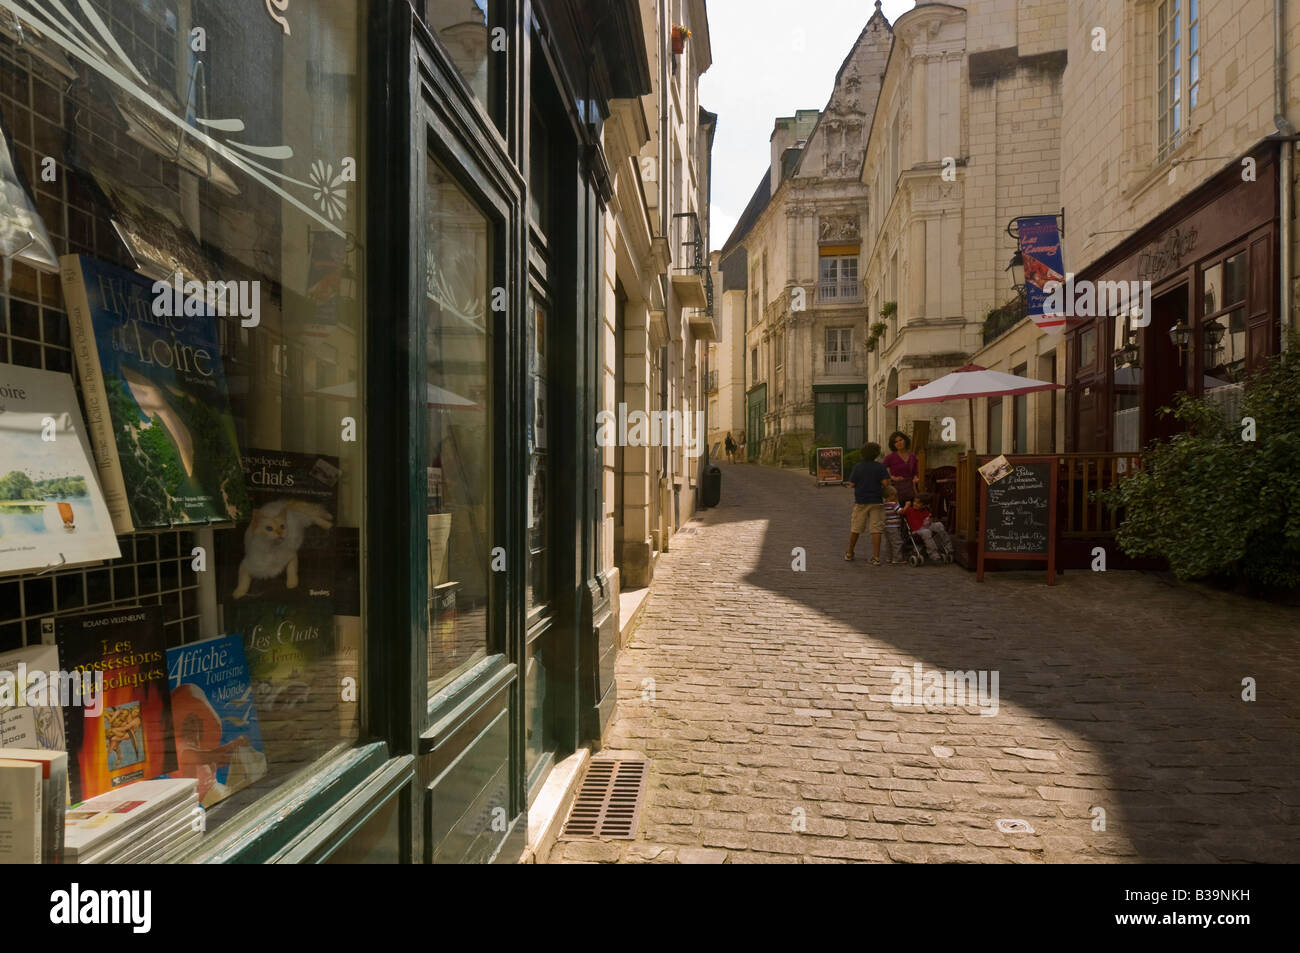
(754, 429)
(831, 419)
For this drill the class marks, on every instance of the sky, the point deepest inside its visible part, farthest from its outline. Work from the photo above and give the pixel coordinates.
(770, 57)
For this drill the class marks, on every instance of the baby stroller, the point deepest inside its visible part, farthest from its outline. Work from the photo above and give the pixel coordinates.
(914, 547)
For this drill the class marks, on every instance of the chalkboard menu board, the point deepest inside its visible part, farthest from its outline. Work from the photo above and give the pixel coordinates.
(1017, 511)
(830, 465)
(1018, 514)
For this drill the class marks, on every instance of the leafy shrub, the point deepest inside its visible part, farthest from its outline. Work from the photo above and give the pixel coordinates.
(1216, 504)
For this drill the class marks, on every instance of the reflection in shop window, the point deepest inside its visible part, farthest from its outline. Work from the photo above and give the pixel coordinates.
(230, 166)
(459, 428)
(465, 28)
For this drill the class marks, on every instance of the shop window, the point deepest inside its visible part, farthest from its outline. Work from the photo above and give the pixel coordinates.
(1020, 416)
(234, 429)
(1086, 354)
(460, 426)
(466, 30)
(1222, 341)
(994, 431)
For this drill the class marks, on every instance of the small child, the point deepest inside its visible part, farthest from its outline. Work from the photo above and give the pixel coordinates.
(919, 519)
(894, 526)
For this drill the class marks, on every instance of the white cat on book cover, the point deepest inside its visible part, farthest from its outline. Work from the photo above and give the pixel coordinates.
(273, 538)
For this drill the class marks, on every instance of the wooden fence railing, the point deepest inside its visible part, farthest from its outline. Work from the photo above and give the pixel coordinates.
(1080, 474)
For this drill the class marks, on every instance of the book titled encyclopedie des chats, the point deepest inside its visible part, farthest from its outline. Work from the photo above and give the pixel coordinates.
(123, 733)
(156, 399)
(286, 552)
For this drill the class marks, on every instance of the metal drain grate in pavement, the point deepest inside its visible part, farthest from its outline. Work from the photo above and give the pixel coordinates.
(608, 803)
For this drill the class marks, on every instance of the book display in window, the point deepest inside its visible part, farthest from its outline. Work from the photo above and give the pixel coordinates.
(138, 824)
(289, 648)
(287, 550)
(53, 767)
(20, 811)
(156, 400)
(218, 741)
(51, 510)
(22, 233)
(31, 715)
(154, 235)
(123, 734)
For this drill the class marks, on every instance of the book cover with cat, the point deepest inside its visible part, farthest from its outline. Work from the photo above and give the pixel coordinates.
(218, 741)
(286, 551)
(157, 405)
(124, 733)
(290, 648)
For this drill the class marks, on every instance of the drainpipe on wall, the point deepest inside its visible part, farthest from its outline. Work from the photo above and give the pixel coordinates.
(1285, 163)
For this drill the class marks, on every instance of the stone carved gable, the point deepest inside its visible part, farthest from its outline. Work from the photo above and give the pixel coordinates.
(836, 147)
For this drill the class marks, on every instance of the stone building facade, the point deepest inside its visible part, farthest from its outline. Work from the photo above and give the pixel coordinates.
(965, 138)
(658, 308)
(1177, 174)
(795, 254)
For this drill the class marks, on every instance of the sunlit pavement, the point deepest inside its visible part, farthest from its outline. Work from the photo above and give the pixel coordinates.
(761, 698)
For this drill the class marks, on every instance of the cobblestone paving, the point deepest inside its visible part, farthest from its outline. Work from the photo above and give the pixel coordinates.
(772, 737)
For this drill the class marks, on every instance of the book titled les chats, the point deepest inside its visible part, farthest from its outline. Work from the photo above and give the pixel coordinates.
(125, 734)
(157, 404)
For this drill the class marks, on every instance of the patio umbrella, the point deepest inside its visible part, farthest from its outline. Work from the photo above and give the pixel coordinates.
(970, 382)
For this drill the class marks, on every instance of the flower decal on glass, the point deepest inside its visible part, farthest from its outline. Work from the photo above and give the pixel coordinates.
(327, 189)
(275, 8)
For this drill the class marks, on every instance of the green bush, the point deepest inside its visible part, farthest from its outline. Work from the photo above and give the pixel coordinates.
(1216, 504)
(851, 459)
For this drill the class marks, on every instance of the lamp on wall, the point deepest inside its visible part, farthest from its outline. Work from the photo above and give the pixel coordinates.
(1017, 261)
(1214, 332)
(1128, 354)
(1181, 336)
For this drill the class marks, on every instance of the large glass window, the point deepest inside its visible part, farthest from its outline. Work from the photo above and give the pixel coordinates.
(1222, 341)
(199, 168)
(460, 426)
(839, 350)
(473, 34)
(839, 278)
(1170, 119)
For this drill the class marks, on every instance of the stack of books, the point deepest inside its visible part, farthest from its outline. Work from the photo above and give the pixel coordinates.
(33, 792)
(140, 823)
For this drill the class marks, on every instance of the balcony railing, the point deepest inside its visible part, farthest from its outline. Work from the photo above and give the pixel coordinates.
(843, 364)
(691, 276)
(839, 292)
(1001, 320)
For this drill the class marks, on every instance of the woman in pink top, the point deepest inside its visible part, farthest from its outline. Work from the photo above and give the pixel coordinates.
(902, 466)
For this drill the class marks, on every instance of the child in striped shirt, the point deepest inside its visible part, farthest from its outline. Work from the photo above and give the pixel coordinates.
(893, 526)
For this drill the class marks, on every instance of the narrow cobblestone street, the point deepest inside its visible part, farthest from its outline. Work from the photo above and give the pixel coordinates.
(771, 736)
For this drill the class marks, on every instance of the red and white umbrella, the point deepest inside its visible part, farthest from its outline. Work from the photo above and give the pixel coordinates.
(970, 382)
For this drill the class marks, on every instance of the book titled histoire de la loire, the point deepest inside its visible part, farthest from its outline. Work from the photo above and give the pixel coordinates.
(125, 733)
(157, 404)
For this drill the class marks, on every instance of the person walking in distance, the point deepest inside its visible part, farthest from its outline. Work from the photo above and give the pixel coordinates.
(731, 448)
(868, 480)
